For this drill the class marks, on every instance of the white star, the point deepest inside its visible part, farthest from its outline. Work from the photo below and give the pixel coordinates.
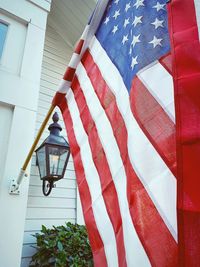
(158, 23)
(135, 40)
(128, 6)
(159, 6)
(156, 41)
(126, 22)
(125, 39)
(134, 62)
(117, 13)
(139, 3)
(137, 20)
(115, 28)
(116, 2)
(107, 20)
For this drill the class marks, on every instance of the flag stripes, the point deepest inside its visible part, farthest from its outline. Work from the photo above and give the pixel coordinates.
(102, 219)
(75, 59)
(162, 91)
(100, 161)
(155, 251)
(154, 122)
(156, 177)
(132, 242)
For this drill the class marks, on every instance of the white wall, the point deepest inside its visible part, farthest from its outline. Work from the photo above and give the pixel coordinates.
(60, 205)
(20, 69)
(6, 113)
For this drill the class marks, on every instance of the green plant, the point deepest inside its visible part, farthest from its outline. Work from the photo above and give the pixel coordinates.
(62, 246)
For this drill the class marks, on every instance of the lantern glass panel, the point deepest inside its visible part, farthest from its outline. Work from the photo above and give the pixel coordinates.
(41, 159)
(57, 159)
(62, 161)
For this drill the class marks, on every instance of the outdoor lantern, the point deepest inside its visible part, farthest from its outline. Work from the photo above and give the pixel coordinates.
(52, 156)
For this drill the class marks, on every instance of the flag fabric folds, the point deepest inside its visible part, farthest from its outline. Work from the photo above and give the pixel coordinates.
(185, 25)
(117, 100)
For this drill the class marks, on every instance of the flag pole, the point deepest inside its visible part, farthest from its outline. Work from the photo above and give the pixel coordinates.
(14, 188)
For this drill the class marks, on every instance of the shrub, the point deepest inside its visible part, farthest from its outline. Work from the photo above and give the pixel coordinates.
(62, 246)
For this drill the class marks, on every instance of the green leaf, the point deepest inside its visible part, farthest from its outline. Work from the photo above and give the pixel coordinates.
(43, 229)
(60, 246)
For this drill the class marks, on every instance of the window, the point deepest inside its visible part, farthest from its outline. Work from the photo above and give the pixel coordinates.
(3, 32)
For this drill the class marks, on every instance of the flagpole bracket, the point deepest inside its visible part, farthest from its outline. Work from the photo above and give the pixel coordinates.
(14, 186)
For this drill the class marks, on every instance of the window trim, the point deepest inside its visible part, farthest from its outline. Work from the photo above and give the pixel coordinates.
(8, 25)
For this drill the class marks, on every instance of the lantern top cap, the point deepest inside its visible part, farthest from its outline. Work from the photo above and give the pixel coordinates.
(54, 137)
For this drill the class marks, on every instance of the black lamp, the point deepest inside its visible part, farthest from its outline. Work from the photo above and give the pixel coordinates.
(52, 156)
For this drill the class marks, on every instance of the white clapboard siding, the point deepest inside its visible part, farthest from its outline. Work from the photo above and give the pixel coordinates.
(60, 206)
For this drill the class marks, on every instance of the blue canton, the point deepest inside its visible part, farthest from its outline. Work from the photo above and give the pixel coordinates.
(134, 34)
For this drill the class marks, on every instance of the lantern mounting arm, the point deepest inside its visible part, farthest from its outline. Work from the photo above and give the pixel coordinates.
(15, 183)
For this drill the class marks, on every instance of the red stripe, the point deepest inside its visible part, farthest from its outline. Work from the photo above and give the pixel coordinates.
(58, 99)
(108, 188)
(95, 239)
(152, 231)
(166, 61)
(186, 71)
(155, 123)
(79, 46)
(69, 74)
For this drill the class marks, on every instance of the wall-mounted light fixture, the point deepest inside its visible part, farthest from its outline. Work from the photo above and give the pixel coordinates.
(52, 156)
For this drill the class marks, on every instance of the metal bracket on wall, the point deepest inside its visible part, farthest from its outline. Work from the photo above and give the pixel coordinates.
(14, 186)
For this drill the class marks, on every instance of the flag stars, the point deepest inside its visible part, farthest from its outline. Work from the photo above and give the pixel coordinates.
(117, 13)
(135, 40)
(116, 2)
(137, 20)
(139, 3)
(106, 20)
(158, 23)
(128, 6)
(126, 22)
(115, 28)
(134, 62)
(155, 42)
(159, 6)
(125, 39)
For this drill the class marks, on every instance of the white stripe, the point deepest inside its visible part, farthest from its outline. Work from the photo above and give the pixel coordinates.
(85, 32)
(197, 9)
(135, 254)
(74, 60)
(64, 86)
(160, 84)
(103, 222)
(149, 166)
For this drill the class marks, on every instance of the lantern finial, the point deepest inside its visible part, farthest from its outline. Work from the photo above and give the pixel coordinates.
(55, 117)
(55, 127)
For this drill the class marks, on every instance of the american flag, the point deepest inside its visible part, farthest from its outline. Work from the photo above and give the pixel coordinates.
(117, 100)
